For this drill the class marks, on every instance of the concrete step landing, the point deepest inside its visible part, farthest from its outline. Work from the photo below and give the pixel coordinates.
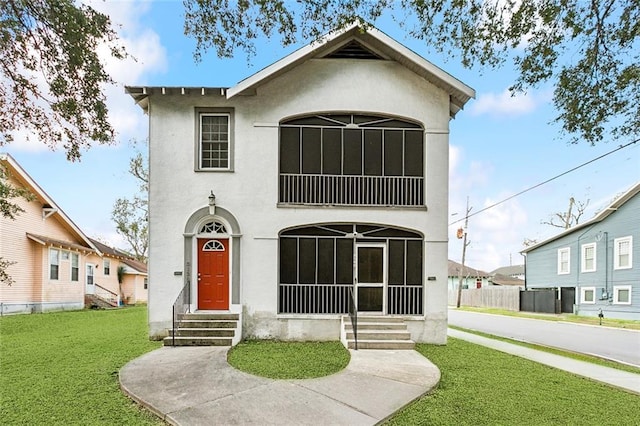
(204, 329)
(377, 332)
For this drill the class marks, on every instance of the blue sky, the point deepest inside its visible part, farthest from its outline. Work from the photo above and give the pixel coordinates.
(500, 145)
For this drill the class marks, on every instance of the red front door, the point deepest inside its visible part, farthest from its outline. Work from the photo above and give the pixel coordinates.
(213, 274)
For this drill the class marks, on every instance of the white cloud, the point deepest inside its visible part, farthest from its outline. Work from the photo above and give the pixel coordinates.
(495, 235)
(504, 104)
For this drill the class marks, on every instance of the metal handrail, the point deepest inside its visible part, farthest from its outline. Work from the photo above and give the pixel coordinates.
(353, 315)
(181, 305)
(111, 297)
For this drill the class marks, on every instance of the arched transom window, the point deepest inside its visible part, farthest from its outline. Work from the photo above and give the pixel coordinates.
(213, 227)
(213, 245)
(351, 159)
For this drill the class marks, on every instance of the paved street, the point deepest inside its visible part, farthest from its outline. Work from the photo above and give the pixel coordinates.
(612, 343)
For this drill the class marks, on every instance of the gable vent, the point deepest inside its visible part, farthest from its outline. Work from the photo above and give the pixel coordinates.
(353, 50)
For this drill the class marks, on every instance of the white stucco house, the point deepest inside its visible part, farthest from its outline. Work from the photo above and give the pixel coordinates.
(323, 175)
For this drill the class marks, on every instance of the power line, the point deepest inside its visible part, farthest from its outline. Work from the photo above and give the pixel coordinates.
(545, 182)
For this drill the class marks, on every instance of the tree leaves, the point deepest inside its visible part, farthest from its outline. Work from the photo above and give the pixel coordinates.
(589, 51)
(131, 216)
(51, 77)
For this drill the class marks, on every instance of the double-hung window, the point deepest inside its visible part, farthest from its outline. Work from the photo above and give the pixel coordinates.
(622, 253)
(588, 257)
(75, 266)
(106, 266)
(214, 140)
(564, 260)
(54, 264)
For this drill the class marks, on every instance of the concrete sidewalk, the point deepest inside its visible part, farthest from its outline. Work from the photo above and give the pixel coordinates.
(196, 386)
(618, 378)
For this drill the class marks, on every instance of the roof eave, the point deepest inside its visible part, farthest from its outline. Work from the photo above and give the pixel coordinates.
(615, 205)
(459, 92)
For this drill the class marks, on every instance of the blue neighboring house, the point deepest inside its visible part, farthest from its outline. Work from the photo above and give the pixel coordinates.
(595, 266)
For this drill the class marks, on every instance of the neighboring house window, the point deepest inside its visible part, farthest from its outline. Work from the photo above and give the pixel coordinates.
(622, 254)
(54, 263)
(622, 295)
(75, 266)
(350, 159)
(106, 266)
(214, 141)
(589, 257)
(563, 260)
(146, 283)
(588, 295)
(89, 274)
(478, 282)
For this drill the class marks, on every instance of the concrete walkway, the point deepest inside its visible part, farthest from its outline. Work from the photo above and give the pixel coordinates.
(196, 386)
(618, 378)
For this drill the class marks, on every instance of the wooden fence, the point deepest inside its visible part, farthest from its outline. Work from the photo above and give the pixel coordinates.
(488, 297)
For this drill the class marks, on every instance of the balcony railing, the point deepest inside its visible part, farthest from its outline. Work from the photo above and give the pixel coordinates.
(336, 299)
(314, 298)
(351, 190)
(404, 299)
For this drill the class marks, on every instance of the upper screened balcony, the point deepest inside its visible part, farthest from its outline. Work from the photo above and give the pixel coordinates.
(351, 160)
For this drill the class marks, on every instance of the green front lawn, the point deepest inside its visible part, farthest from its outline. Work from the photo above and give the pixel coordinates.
(481, 386)
(289, 360)
(62, 368)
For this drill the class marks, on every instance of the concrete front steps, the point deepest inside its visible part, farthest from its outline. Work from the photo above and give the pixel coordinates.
(204, 329)
(378, 332)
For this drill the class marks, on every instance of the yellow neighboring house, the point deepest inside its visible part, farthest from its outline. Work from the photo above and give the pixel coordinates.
(131, 284)
(54, 265)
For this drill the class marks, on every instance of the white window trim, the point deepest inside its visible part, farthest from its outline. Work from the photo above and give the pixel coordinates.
(583, 291)
(616, 289)
(53, 250)
(568, 251)
(583, 265)
(616, 252)
(106, 267)
(202, 112)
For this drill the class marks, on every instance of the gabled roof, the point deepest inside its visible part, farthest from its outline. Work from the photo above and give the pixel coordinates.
(373, 40)
(136, 266)
(509, 270)
(455, 267)
(133, 265)
(109, 251)
(615, 205)
(41, 239)
(21, 175)
(352, 42)
(506, 280)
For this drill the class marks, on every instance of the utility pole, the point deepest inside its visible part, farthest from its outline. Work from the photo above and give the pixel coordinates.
(462, 233)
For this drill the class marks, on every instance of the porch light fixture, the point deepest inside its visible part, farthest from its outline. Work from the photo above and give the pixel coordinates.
(212, 204)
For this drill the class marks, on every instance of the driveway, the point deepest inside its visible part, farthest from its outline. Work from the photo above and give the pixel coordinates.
(617, 344)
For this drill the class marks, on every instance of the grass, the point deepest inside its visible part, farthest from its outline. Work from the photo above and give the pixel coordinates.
(568, 354)
(62, 368)
(481, 386)
(606, 322)
(289, 360)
